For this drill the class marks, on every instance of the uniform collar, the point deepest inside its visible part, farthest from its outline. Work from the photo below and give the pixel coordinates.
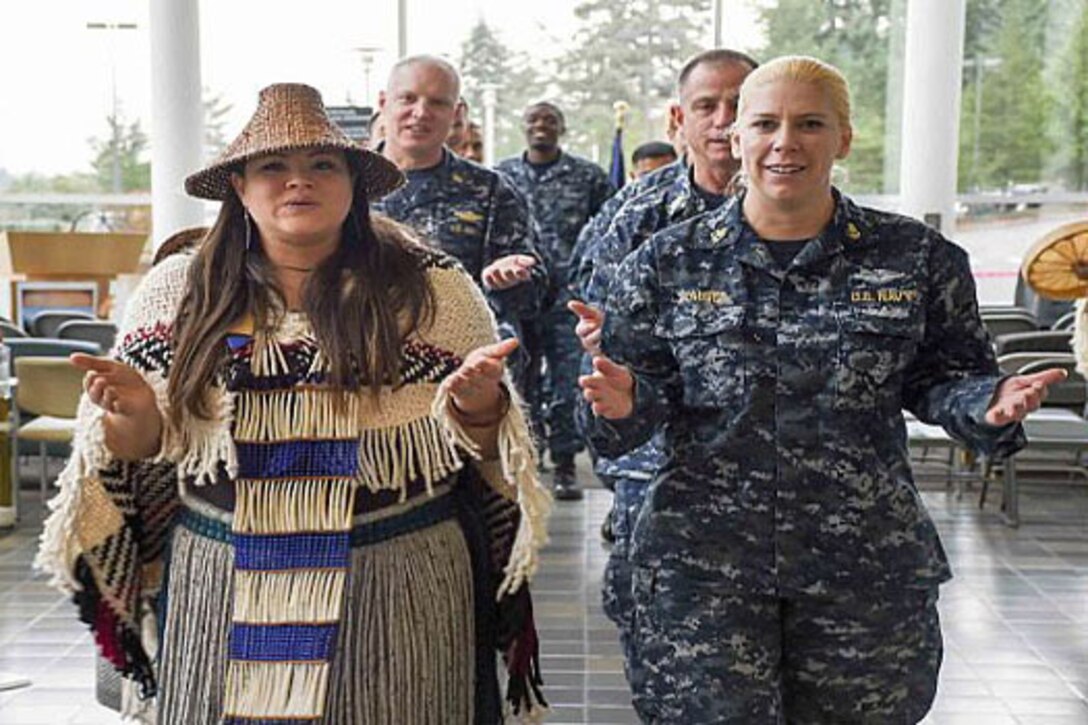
(444, 162)
(435, 182)
(849, 227)
(562, 163)
(683, 200)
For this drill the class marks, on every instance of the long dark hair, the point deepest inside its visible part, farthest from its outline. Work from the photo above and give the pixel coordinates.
(362, 301)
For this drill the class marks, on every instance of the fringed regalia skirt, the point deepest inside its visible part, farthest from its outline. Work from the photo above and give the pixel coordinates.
(406, 645)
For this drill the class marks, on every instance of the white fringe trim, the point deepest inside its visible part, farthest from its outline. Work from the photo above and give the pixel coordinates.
(390, 458)
(393, 448)
(204, 444)
(293, 505)
(170, 446)
(60, 546)
(135, 709)
(310, 596)
(312, 412)
(537, 715)
(268, 359)
(517, 454)
(264, 689)
(1080, 336)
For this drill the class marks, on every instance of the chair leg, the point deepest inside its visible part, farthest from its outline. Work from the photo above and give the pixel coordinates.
(987, 474)
(45, 475)
(13, 441)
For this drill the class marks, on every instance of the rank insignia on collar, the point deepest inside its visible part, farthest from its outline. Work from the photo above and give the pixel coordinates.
(853, 232)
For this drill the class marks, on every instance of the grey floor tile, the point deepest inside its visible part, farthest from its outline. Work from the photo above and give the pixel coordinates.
(972, 718)
(1055, 689)
(610, 697)
(1015, 619)
(38, 714)
(1034, 719)
(567, 715)
(1047, 706)
(954, 704)
(612, 716)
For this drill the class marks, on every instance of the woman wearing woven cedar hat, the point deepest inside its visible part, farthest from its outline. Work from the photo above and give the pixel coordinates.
(318, 402)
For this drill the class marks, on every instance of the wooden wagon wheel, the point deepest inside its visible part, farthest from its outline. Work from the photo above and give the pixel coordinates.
(1056, 266)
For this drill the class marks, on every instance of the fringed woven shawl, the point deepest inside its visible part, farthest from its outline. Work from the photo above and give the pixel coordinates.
(104, 540)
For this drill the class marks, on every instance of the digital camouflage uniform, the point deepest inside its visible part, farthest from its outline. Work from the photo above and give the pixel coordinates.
(640, 218)
(474, 214)
(562, 197)
(580, 262)
(786, 566)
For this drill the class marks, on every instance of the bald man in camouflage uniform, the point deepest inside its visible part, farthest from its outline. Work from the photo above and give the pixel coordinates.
(564, 191)
(470, 212)
(783, 547)
(710, 80)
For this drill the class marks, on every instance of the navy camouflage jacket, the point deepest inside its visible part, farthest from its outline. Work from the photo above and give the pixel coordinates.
(638, 220)
(580, 260)
(562, 198)
(781, 395)
(474, 214)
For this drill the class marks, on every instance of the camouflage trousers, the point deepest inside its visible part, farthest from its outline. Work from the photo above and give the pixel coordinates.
(555, 357)
(703, 653)
(616, 598)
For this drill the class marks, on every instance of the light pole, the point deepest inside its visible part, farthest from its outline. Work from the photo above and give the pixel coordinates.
(366, 55)
(717, 23)
(489, 97)
(402, 28)
(115, 142)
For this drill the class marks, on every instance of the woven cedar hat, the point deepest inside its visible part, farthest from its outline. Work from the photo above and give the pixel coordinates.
(292, 116)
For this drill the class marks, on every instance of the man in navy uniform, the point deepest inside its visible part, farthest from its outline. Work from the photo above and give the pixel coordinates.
(470, 212)
(563, 191)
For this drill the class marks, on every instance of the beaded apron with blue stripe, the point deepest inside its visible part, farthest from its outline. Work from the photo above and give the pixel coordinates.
(300, 461)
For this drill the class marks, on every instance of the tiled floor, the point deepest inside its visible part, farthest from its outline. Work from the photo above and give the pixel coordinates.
(1015, 621)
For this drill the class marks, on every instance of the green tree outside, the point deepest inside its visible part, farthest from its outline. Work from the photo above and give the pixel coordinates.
(215, 112)
(129, 143)
(631, 52)
(486, 59)
(855, 36)
(1006, 101)
(1069, 122)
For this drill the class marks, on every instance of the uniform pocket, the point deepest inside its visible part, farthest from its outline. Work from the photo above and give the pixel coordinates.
(707, 342)
(643, 587)
(875, 346)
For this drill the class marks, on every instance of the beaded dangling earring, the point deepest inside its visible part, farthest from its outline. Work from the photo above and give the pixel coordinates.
(249, 230)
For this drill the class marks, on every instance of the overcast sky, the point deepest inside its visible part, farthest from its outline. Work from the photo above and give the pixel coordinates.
(55, 82)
